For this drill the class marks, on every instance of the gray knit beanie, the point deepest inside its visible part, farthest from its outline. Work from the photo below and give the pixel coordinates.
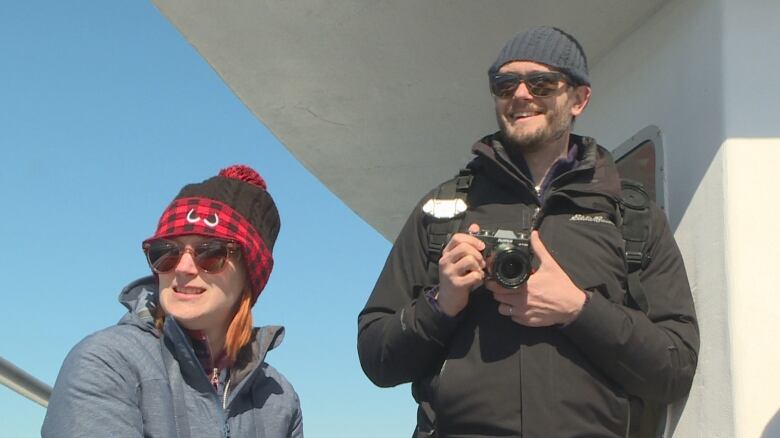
(549, 46)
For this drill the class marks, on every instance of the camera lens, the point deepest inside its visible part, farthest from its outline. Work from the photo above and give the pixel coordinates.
(511, 267)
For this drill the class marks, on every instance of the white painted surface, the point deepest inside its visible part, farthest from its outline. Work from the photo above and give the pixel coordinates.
(752, 254)
(709, 411)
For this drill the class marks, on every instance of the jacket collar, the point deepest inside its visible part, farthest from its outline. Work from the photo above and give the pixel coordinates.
(141, 298)
(593, 171)
(248, 363)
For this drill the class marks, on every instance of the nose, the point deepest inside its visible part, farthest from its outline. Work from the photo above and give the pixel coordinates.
(186, 263)
(522, 92)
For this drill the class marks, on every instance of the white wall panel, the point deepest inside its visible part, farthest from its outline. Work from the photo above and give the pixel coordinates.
(752, 253)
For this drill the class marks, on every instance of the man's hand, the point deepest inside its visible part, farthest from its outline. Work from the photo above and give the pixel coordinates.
(548, 297)
(461, 269)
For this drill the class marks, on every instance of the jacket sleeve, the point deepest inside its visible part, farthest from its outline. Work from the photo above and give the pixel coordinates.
(651, 355)
(296, 421)
(95, 394)
(401, 337)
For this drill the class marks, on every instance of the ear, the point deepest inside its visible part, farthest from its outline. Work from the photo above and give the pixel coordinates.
(581, 97)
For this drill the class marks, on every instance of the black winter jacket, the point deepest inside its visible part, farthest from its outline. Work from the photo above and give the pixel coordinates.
(482, 375)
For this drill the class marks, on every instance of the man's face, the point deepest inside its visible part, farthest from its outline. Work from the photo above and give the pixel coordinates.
(532, 123)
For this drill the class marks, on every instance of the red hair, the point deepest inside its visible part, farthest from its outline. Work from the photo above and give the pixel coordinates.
(239, 332)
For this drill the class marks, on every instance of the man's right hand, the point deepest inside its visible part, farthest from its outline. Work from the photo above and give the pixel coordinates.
(461, 270)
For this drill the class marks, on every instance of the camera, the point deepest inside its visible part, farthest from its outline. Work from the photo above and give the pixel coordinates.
(508, 256)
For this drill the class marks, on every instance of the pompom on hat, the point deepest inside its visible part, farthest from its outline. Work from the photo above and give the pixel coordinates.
(549, 46)
(234, 205)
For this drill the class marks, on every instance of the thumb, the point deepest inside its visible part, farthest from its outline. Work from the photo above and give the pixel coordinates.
(539, 249)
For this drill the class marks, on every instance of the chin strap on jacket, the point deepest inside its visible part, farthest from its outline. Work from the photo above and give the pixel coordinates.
(441, 229)
(635, 210)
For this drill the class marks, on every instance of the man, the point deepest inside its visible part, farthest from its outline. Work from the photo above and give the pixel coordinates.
(565, 353)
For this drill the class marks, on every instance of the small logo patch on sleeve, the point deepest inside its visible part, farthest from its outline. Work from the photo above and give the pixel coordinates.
(596, 218)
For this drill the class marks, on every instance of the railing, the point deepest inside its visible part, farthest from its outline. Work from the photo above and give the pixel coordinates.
(23, 383)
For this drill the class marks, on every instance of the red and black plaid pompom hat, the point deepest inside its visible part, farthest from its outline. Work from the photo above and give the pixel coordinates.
(233, 205)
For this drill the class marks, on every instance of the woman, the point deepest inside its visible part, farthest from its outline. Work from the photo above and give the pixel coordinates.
(185, 361)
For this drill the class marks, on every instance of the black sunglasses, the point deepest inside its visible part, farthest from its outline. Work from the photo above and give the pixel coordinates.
(539, 84)
(209, 255)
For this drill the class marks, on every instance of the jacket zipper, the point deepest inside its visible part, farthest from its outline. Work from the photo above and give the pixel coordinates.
(225, 394)
(226, 427)
(215, 383)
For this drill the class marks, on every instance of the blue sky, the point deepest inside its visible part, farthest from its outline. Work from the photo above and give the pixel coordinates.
(107, 111)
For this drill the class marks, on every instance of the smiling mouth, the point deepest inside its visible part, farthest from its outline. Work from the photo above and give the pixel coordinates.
(524, 114)
(188, 290)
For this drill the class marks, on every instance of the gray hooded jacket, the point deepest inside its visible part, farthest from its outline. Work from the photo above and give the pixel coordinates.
(124, 382)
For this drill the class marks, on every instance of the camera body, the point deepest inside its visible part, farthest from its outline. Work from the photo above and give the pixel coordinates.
(508, 256)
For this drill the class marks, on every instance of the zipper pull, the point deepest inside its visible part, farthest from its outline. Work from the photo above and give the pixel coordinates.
(538, 192)
(215, 379)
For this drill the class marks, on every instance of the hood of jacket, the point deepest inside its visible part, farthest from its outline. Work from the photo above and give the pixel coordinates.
(140, 299)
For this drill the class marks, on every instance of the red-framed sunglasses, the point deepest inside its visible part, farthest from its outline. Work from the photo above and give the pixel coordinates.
(209, 255)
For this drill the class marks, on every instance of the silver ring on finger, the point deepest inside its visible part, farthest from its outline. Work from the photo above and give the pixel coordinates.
(510, 309)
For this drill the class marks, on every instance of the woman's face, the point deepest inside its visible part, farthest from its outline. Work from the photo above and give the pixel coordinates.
(200, 300)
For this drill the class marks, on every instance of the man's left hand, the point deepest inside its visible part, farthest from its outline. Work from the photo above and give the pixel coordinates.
(548, 297)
